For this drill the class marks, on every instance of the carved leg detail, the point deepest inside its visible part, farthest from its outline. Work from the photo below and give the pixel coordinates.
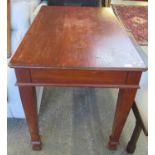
(28, 97)
(124, 104)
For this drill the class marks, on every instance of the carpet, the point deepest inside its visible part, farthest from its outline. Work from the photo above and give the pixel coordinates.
(135, 21)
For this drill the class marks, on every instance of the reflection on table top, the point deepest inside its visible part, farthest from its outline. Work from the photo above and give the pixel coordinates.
(77, 37)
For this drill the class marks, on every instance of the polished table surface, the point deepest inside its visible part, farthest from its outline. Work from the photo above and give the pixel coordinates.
(77, 47)
(69, 37)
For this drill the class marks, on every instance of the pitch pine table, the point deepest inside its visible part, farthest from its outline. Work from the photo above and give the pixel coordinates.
(77, 47)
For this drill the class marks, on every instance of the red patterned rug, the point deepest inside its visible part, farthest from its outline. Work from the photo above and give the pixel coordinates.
(135, 20)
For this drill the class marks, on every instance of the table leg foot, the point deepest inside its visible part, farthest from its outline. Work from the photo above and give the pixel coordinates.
(36, 145)
(112, 145)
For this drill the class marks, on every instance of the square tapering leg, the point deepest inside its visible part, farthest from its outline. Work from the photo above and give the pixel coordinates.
(28, 97)
(124, 104)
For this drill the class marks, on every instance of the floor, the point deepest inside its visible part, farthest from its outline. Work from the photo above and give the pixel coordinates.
(77, 126)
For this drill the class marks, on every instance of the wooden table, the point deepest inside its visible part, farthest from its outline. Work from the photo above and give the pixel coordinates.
(77, 47)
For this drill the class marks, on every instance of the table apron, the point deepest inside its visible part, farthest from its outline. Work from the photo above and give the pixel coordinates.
(78, 78)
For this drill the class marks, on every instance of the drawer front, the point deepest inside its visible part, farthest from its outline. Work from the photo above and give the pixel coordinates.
(89, 77)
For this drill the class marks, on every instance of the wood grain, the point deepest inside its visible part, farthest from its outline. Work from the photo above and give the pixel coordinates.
(78, 77)
(77, 37)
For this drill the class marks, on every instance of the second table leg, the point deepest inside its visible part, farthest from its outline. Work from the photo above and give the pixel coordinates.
(124, 104)
(28, 97)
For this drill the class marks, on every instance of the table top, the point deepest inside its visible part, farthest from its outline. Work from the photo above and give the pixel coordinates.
(78, 38)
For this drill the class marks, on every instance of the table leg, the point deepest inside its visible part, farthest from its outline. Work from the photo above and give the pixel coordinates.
(124, 104)
(131, 147)
(28, 97)
(109, 3)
